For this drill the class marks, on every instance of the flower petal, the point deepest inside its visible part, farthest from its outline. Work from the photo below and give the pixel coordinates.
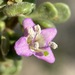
(49, 34)
(27, 23)
(49, 58)
(22, 48)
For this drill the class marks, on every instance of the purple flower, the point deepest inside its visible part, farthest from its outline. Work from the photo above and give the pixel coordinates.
(36, 42)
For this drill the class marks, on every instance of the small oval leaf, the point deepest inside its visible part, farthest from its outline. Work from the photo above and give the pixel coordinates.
(47, 10)
(18, 8)
(64, 13)
(44, 23)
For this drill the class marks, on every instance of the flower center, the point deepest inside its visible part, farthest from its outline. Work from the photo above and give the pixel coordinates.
(36, 40)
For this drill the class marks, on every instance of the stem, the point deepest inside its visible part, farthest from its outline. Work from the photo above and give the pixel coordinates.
(2, 58)
(35, 15)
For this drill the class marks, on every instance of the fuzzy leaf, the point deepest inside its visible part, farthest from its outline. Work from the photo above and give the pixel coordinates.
(19, 8)
(44, 23)
(64, 13)
(32, 1)
(47, 10)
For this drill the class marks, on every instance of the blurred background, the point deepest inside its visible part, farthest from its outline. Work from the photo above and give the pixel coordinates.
(65, 54)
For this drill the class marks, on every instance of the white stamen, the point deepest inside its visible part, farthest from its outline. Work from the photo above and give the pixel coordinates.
(53, 45)
(37, 29)
(36, 45)
(31, 32)
(32, 50)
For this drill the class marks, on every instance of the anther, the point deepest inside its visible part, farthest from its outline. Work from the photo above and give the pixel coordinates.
(31, 32)
(37, 29)
(53, 45)
(36, 45)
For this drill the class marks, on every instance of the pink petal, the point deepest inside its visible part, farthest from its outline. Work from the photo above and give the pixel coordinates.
(49, 34)
(22, 48)
(49, 58)
(27, 23)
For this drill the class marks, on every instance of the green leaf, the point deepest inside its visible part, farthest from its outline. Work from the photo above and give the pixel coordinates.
(32, 1)
(44, 23)
(4, 43)
(2, 16)
(47, 10)
(1, 1)
(18, 1)
(2, 25)
(20, 19)
(13, 36)
(45, 53)
(64, 13)
(18, 9)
